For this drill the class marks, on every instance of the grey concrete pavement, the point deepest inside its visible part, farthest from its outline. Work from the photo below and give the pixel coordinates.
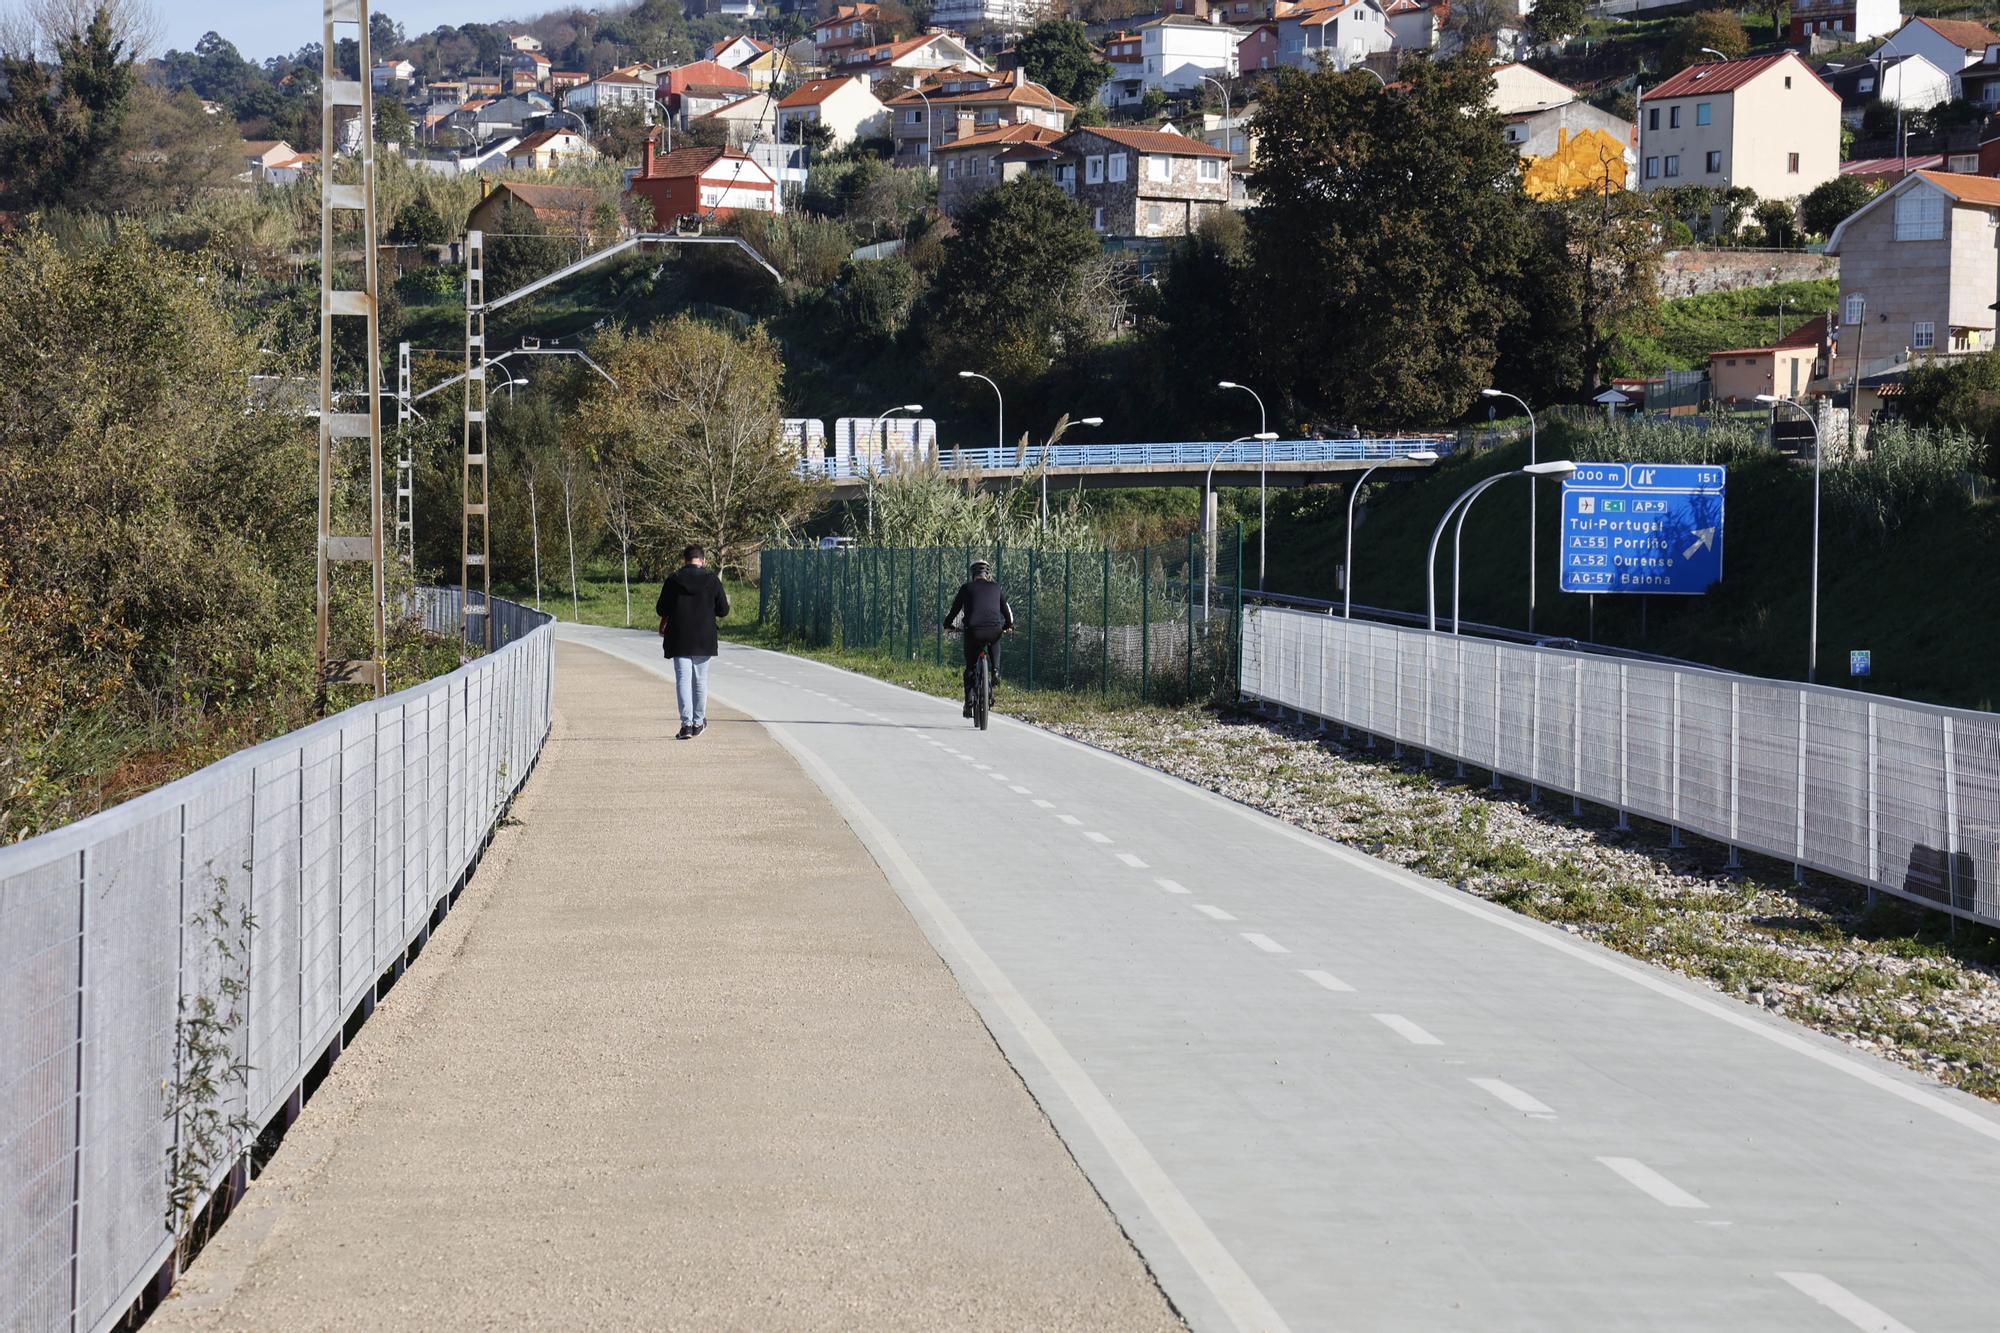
(1322, 1093)
(680, 1059)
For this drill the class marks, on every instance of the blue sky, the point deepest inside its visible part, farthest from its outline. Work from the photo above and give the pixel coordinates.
(263, 28)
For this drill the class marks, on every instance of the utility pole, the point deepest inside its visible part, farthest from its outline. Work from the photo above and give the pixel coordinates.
(1854, 387)
(473, 544)
(406, 515)
(348, 101)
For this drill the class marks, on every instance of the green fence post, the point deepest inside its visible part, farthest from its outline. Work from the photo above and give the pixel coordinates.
(1189, 580)
(1237, 628)
(1034, 570)
(1145, 620)
(937, 605)
(1069, 682)
(1104, 640)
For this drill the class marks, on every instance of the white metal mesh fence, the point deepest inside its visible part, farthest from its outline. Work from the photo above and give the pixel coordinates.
(339, 840)
(1900, 796)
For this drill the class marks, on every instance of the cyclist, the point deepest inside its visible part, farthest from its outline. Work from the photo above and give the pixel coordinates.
(987, 616)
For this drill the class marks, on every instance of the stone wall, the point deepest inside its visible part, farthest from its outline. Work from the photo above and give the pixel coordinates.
(1695, 272)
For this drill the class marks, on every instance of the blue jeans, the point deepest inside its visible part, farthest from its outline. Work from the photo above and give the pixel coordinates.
(691, 684)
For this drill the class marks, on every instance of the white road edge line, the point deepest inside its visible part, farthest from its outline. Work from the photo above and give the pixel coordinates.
(1131, 860)
(1239, 1297)
(1652, 1182)
(1020, 791)
(1095, 837)
(1407, 1030)
(1513, 1096)
(1265, 942)
(1844, 1303)
(1046, 805)
(1215, 912)
(1070, 820)
(1171, 886)
(1326, 979)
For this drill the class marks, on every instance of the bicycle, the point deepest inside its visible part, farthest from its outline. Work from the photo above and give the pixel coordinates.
(982, 688)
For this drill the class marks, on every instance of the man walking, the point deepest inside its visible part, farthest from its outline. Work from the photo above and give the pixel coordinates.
(691, 601)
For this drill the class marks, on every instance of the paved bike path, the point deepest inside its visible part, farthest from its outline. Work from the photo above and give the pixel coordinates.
(1323, 1093)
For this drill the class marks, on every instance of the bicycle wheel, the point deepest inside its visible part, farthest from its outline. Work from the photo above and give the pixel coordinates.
(982, 691)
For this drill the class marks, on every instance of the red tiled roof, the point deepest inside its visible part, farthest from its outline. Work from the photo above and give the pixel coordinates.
(1890, 166)
(1809, 334)
(1723, 76)
(1155, 141)
(704, 72)
(814, 91)
(1015, 88)
(1981, 191)
(686, 162)
(537, 139)
(1005, 134)
(1962, 33)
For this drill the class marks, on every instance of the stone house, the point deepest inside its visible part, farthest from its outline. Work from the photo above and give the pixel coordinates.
(1918, 272)
(954, 103)
(972, 164)
(1144, 183)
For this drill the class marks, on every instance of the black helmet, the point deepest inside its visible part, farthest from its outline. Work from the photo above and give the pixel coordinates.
(978, 567)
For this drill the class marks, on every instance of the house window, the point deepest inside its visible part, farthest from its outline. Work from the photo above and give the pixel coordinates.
(1868, 83)
(1673, 164)
(1920, 216)
(1924, 336)
(1714, 162)
(1152, 215)
(1653, 118)
(1852, 315)
(1117, 163)
(1236, 141)
(1652, 168)
(1792, 163)
(1965, 162)
(1093, 169)
(1788, 80)
(1701, 112)
(1158, 167)
(1673, 117)
(916, 117)
(1097, 219)
(1211, 170)
(951, 168)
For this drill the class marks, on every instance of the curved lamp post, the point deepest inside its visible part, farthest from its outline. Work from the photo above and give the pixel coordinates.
(1812, 642)
(1425, 456)
(1046, 446)
(1532, 497)
(1264, 436)
(1208, 527)
(1464, 503)
(1000, 420)
(906, 407)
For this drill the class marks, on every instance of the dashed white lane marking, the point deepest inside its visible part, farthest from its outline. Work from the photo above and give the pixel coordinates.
(984, 768)
(1215, 912)
(1131, 860)
(997, 777)
(1652, 1182)
(1171, 886)
(1326, 979)
(1046, 805)
(1095, 837)
(1020, 791)
(1407, 1030)
(1513, 1096)
(1844, 1303)
(1070, 820)
(1265, 942)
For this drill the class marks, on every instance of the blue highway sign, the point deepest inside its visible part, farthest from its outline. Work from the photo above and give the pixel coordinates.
(1642, 527)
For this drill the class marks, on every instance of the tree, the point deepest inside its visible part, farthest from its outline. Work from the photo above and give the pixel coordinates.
(168, 154)
(1715, 28)
(815, 135)
(1588, 274)
(51, 131)
(1779, 221)
(1830, 202)
(1553, 20)
(1479, 23)
(418, 223)
(1009, 295)
(621, 133)
(1059, 55)
(1152, 104)
(392, 121)
(876, 296)
(1960, 395)
(695, 417)
(1778, 11)
(1390, 228)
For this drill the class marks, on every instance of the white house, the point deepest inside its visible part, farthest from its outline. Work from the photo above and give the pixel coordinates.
(847, 106)
(752, 118)
(1011, 15)
(936, 50)
(1175, 52)
(1950, 44)
(1845, 20)
(1518, 90)
(545, 150)
(1339, 33)
(1416, 25)
(525, 42)
(391, 71)
(733, 52)
(1909, 82)
(613, 92)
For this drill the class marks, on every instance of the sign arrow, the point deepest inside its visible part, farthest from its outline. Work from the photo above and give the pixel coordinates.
(1704, 539)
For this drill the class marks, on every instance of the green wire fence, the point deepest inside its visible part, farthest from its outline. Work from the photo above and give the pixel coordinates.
(1163, 622)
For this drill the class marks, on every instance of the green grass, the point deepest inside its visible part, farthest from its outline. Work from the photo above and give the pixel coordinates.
(600, 598)
(1691, 327)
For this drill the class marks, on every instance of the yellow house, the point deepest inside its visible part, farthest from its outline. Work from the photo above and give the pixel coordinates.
(1591, 160)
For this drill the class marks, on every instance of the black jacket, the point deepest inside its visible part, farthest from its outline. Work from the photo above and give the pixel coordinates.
(691, 601)
(983, 605)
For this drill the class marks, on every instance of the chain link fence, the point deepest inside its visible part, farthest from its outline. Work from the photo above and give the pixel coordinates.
(171, 968)
(1159, 623)
(1902, 797)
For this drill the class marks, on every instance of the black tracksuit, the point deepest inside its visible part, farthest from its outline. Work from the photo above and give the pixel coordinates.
(987, 617)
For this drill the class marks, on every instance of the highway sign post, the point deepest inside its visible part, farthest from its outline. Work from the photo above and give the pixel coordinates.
(1860, 662)
(1642, 527)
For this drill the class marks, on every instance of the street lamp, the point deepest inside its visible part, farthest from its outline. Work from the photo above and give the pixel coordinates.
(1464, 503)
(1711, 51)
(1264, 436)
(1812, 646)
(1219, 87)
(1532, 497)
(1046, 444)
(1424, 456)
(1000, 419)
(1370, 69)
(1208, 509)
(512, 380)
(930, 125)
(906, 407)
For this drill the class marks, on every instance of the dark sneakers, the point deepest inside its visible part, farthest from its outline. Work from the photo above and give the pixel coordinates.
(700, 727)
(685, 733)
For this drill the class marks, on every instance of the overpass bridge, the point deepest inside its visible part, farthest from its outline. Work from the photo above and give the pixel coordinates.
(1183, 463)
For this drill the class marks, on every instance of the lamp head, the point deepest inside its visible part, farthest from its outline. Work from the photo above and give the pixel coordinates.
(965, 374)
(1090, 421)
(1421, 456)
(1489, 393)
(1559, 468)
(1227, 384)
(912, 407)
(1769, 399)
(1265, 435)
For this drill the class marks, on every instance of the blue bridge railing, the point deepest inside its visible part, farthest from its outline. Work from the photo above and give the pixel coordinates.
(1190, 453)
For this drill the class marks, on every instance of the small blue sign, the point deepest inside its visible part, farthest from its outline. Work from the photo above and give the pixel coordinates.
(1860, 662)
(1642, 527)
